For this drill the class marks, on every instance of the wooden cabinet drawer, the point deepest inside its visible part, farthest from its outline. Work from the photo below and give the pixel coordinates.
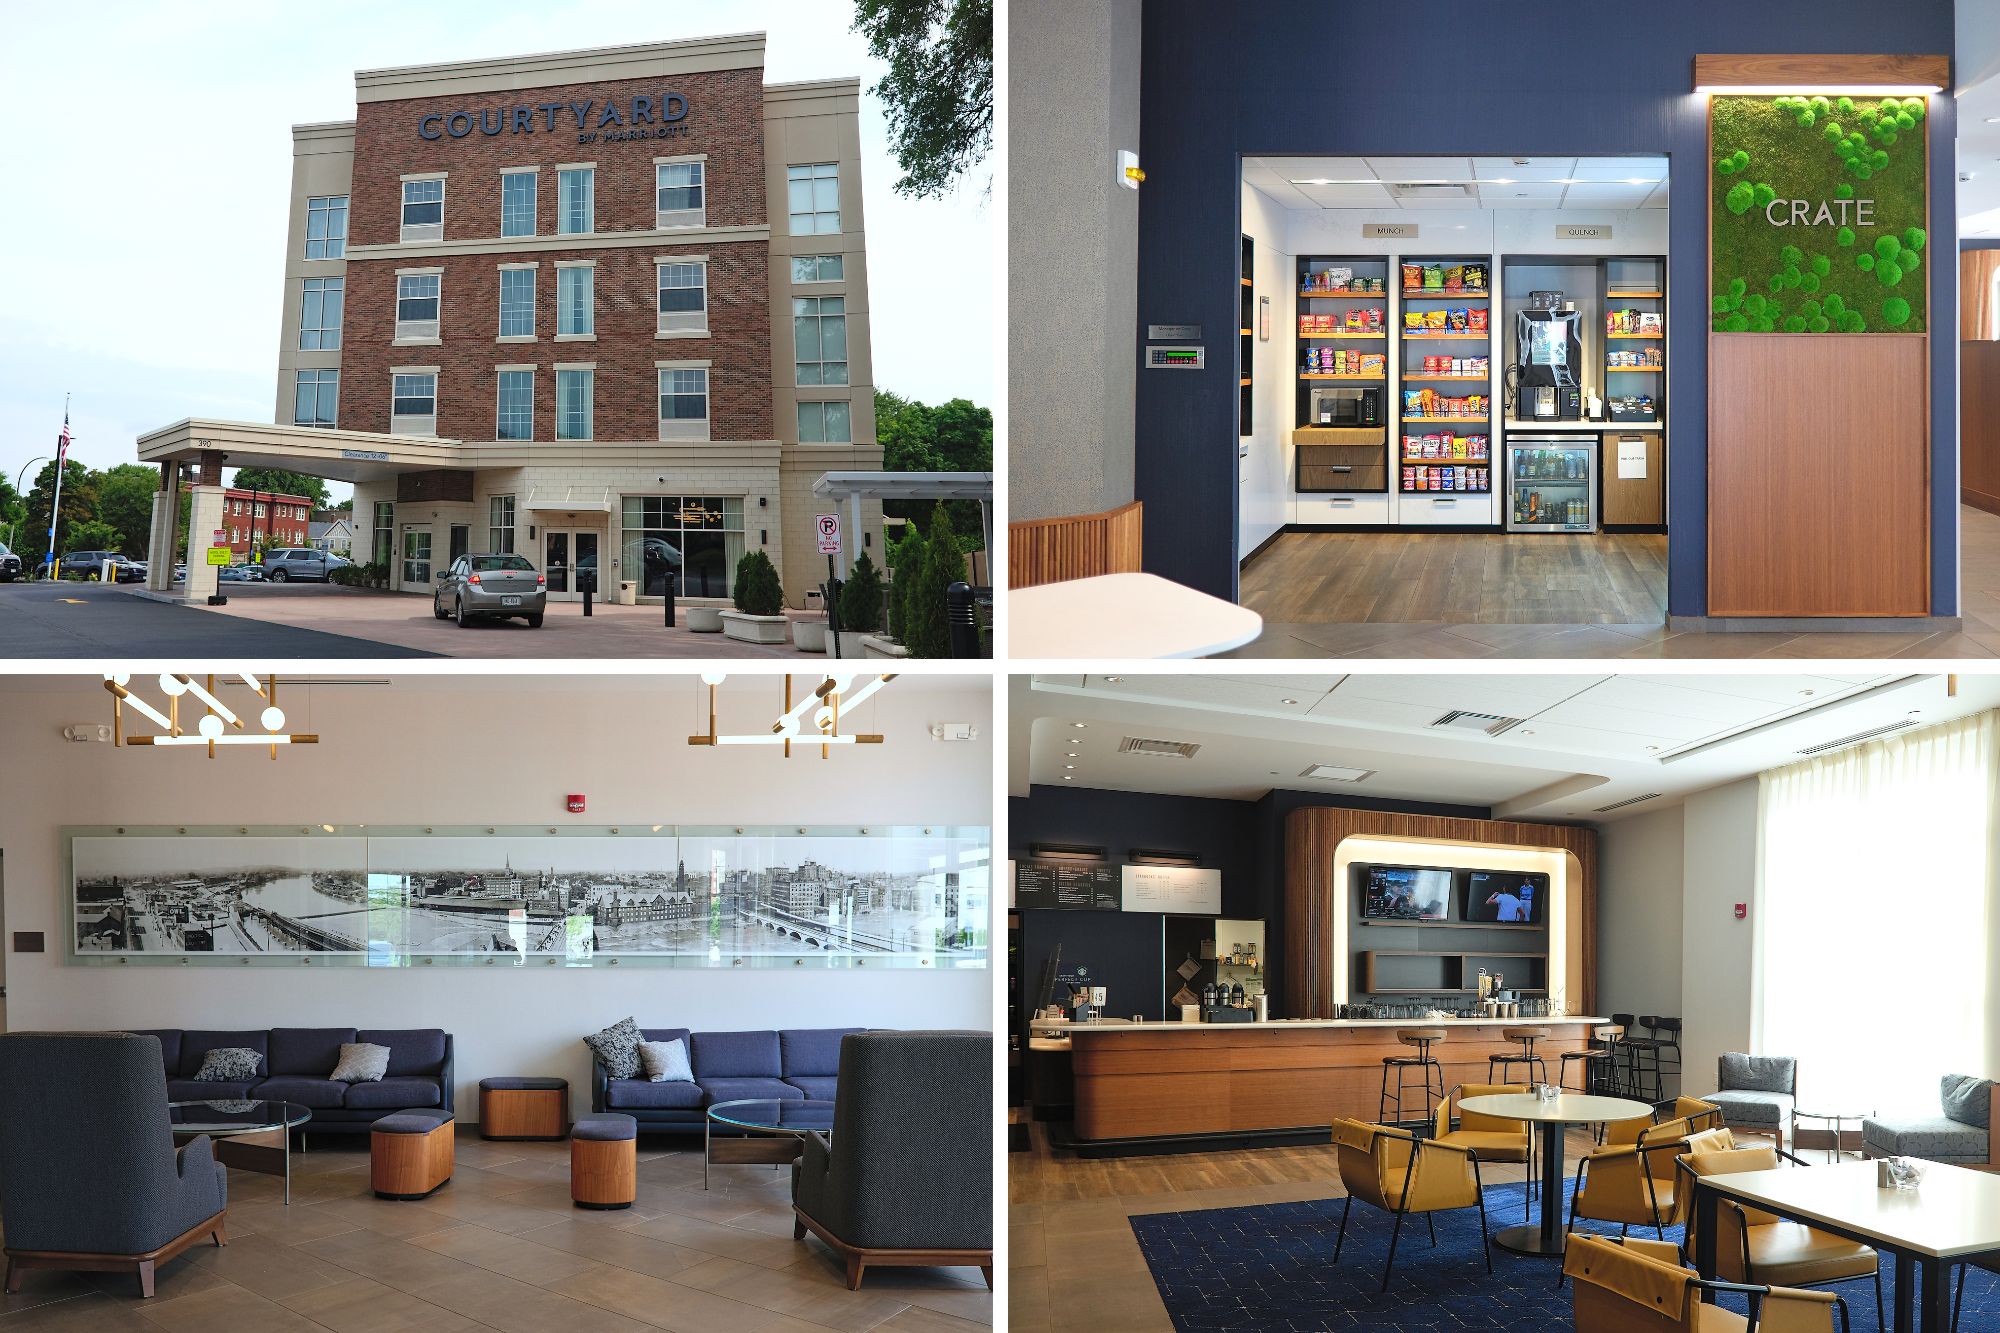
(1342, 467)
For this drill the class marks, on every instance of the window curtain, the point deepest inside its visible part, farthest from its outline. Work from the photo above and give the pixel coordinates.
(1875, 903)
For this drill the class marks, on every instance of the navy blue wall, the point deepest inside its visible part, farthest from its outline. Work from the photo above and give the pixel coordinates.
(1469, 77)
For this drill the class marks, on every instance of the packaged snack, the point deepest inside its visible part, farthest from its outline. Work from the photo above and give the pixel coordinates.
(1455, 319)
(1454, 278)
(1649, 323)
(1434, 321)
(1409, 478)
(1413, 402)
(1433, 278)
(1413, 319)
(1475, 277)
(1475, 319)
(1413, 277)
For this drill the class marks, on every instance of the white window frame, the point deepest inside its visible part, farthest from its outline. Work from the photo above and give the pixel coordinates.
(667, 219)
(498, 507)
(819, 329)
(534, 175)
(321, 336)
(823, 404)
(587, 368)
(534, 296)
(686, 428)
(413, 423)
(818, 261)
(331, 246)
(680, 323)
(498, 373)
(412, 233)
(588, 334)
(319, 383)
(589, 171)
(421, 332)
(813, 214)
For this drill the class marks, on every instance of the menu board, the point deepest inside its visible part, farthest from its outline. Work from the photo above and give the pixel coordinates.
(1192, 890)
(1065, 885)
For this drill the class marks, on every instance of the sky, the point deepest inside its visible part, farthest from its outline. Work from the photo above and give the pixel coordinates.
(143, 272)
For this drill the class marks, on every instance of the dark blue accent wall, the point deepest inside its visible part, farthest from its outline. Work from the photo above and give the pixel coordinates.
(1221, 82)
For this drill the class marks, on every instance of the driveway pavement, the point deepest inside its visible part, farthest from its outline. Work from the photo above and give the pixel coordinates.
(93, 620)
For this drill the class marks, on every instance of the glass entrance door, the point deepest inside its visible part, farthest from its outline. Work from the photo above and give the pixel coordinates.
(587, 573)
(569, 560)
(555, 561)
(416, 557)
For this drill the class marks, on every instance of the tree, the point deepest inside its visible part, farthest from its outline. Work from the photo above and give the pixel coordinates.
(939, 89)
(79, 501)
(956, 436)
(907, 560)
(928, 633)
(90, 534)
(861, 598)
(757, 591)
(280, 482)
(125, 503)
(13, 515)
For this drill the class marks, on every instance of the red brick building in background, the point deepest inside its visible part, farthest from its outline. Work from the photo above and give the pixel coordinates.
(260, 521)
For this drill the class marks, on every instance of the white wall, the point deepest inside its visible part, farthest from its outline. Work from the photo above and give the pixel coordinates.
(485, 750)
(1264, 490)
(1719, 854)
(1640, 886)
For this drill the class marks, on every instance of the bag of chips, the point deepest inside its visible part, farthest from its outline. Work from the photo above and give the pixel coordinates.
(1413, 277)
(1454, 278)
(1435, 321)
(1456, 319)
(1413, 319)
(1433, 278)
(1475, 319)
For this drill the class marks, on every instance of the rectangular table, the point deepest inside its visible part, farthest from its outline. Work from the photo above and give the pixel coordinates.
(1954, 1214)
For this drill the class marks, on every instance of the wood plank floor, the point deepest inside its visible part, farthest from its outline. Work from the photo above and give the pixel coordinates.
(1486, 596)
(500, 1247)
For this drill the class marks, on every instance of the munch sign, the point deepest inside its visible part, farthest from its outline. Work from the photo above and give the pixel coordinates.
(609, 121)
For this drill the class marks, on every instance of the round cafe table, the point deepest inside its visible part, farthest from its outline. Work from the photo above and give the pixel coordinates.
(1565, 1109)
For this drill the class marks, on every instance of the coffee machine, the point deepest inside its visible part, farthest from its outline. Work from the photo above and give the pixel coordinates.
(1548, 357)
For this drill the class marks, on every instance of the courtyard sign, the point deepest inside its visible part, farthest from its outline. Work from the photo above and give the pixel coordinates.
(609, 121)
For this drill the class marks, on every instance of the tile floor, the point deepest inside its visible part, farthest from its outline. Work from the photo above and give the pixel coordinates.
(501, 1247)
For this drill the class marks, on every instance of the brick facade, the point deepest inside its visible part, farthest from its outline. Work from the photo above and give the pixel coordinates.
(285, 521)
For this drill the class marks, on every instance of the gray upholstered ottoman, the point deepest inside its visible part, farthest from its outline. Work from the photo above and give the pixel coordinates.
(604, 1161)
(410, 1153)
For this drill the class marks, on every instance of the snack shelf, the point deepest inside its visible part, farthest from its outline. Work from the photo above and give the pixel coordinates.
(1485, 420)
(1427, 295)
(1343, 296)
(1429, 379)
(1635, 296)
(1635, 370)
(1351, 379)
(1411, 335)
(1619, 337)
(1324, 337)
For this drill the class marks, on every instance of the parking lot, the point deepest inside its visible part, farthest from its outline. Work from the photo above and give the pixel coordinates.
(307, 620)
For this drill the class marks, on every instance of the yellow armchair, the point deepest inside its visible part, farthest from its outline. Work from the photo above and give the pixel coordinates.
(1393, 1170)
(1639, 1286)
(1631, 1184)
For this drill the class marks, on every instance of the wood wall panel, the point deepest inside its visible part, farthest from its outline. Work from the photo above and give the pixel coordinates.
(1979, 425)
(1312, 835)
(1052, 550)
(1824, 70)
(1818, 474)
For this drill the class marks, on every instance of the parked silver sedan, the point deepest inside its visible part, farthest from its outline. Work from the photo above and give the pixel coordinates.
(491, 585)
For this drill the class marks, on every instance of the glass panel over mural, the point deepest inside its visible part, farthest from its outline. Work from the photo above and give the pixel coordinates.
(771, 897)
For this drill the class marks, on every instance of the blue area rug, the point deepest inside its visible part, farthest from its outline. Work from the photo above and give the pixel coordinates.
(1271, 1267)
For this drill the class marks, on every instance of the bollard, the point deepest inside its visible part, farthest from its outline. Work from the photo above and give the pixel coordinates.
(673, 581)
(588, 581)
(958, 617)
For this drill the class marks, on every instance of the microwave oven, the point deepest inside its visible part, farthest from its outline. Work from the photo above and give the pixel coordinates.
(1344, 405)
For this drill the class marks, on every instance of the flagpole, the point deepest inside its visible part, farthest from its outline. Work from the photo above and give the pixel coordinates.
(55, 502)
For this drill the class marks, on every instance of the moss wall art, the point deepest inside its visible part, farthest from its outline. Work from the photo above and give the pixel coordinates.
(1817, 214)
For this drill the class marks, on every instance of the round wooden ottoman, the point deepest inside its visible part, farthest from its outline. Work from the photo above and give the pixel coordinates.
(410, 1154)
(604, 1161)
(523, 1107)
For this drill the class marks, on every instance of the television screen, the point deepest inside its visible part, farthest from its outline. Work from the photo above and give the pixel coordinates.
(1405, 893)
(1510, 897)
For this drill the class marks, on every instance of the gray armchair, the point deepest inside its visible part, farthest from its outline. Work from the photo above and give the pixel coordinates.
(907, 1177)
(1756, 1092)
(89, 1177)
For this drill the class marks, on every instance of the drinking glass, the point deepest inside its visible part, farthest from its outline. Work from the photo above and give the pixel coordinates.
(1906, 1173)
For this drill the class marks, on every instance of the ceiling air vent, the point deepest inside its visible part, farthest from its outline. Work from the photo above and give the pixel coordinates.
(1335, 773)
(1458, 719)
(1858, 737)
(1164, 749)
(1429, 192)
(1630, 800)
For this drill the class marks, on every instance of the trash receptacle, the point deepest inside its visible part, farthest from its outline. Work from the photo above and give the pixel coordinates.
(628, 592)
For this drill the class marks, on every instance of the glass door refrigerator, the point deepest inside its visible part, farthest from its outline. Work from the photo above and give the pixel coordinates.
(1551, 483)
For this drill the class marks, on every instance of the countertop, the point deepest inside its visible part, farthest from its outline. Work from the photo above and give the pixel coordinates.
(1286, 1024)
(1583, 427)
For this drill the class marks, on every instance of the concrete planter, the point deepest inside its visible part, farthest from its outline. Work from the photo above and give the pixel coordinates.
(851, 643)
(809, 636)
(702, 619)
(875, 646)
(746, 628)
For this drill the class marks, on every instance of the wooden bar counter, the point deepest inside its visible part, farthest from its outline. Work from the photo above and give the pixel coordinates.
(1246, 1080)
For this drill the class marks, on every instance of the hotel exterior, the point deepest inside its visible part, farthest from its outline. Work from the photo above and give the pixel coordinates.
(604, 308)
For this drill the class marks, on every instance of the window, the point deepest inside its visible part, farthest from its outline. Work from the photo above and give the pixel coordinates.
(812, 195)
(573, 391)
(500, 524)
(423, 209)
(417, 297)
(683, 296)
(517, 302)
(824, 423)
(319, 314)
(819, 339)
(326, 227)
(514, 417)
(575, 298)
(314, 402)
(385, 533)
(818, 268)
(417, 555)
(698, 537)
(413, 409)
(576, 202)
(517, 202)
(682, 194)
(684, 402)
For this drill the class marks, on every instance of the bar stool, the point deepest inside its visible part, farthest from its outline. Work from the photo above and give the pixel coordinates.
(1423, 1039)
(1534, 1071)
(1637, 1050)
(1625, 1078)
(1597, 1060)
(1666, 1037)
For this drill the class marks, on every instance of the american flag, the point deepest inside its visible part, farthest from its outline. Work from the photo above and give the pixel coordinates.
(62, 443)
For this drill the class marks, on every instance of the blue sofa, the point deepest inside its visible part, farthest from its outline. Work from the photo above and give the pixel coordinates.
(295, 1065)
(797, 1064)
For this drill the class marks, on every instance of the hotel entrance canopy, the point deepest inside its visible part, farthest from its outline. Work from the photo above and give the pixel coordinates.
(854, 487)
(339, 455)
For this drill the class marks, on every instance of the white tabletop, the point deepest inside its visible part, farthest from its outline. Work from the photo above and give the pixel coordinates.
(1124, 615)
(1953, 1212)
(1568, 1108)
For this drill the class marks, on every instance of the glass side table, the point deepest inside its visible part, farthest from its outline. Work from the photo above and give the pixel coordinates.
(1832, 1125)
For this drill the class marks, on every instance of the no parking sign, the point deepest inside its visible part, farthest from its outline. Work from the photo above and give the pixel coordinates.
(829, 534)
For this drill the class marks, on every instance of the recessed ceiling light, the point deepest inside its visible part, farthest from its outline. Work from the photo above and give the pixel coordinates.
(1503, 180)
(1288, 701)
(1527, 731)
(1068, 778)
(1114, 679)
(1805, 694)
(1069, 765)
(1072, 754)
(1652, 749)
(1993, 120)
(1078, 725)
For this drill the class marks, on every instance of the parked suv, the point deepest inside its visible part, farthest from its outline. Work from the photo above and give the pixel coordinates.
(299, 562)
(10, 565)
(90, 564)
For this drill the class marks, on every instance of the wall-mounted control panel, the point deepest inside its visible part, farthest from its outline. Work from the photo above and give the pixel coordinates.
(1182, 356)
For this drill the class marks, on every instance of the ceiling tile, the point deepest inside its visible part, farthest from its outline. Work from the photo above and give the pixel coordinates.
(1522, 194)
(1524, 169)
(1422, 168)
(1347, 196)
(1606, 196)
(1319, 168)
(1647, 169)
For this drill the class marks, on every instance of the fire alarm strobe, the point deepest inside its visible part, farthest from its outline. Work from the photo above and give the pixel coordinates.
(575, 801)
(1742, 910)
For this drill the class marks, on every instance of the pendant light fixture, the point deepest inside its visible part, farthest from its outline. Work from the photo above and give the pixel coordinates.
(218, 725)
(812, 720)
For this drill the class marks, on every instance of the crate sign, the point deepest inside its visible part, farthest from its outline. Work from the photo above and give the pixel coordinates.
(829, 533)
(1817, 211)
(218, 555)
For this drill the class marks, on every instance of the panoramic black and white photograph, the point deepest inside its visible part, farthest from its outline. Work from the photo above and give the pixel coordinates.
(898, 897)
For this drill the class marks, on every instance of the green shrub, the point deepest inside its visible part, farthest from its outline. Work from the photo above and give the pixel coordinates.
(1895, 312)
(1739, 197)
(909, 559)
(929, 635)
(861, 598)
(1914, 238)
(757, 591)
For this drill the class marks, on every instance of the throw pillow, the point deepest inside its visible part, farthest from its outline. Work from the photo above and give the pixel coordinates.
(1967, 1099)
(618, 1047)
(665, 1061)
(228, 1064)
(360, 1062)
